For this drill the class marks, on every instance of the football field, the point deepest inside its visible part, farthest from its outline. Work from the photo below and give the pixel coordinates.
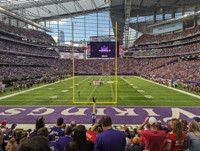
(131, 91)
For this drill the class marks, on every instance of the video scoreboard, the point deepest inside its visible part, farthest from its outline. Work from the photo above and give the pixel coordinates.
(104, 50)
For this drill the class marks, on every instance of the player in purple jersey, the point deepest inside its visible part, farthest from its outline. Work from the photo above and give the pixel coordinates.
(56, 131)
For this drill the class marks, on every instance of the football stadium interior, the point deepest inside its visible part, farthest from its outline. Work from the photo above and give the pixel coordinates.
(84, 61)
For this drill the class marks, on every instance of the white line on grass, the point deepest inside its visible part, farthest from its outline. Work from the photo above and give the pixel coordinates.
(196, 96)
(92, 92)
(11, 95)
(126, 81)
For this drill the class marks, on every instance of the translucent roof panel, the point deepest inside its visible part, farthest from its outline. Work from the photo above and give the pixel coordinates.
(36, 9)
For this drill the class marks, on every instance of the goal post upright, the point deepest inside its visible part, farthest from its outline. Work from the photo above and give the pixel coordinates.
(116, 81)
(73, 60)
(116, 65)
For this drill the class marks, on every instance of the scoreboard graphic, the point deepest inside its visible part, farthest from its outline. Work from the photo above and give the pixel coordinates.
(103, 50)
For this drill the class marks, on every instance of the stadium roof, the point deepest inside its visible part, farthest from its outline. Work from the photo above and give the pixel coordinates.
(120, 10)
(51, 9)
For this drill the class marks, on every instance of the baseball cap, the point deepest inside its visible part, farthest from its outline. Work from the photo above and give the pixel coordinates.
(3, 122)
(197, 119)
(136, 140)
(13, 125)
(152, 121)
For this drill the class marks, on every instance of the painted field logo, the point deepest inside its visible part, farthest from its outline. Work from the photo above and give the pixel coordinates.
(82, 115)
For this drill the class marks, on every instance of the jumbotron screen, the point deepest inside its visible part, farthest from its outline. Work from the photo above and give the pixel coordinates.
(103, 50)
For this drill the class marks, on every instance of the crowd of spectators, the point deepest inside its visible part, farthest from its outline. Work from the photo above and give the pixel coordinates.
(187, 70)
(181, 49)
(168, 44)
(190, 48)
(176, 135)
(13, 67)
(149, 39)
(28, 33)
(11, 47)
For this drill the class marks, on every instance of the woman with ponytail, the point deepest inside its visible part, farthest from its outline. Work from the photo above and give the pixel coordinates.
(193, 137)
(40, 122)
(176, 139)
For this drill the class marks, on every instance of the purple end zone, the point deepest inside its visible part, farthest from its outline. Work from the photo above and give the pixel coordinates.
(83, 114)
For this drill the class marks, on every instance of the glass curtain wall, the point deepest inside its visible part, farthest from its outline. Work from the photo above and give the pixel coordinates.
(85, 26)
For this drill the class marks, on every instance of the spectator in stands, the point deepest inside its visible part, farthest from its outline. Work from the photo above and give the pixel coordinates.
(73, 126)
(168, 127)
(197, 120)
(176, 140)
(154, 138)
(193, 137)
(79, 142)
(109, 139)
(25, 136)
(1, 139)
(3, 125)
(64, 140)
(56, 131)
(136, 146)
(128, 137)
(184, 125)
(19, 136)
(11, 145)
(92, 134)
(37, 143)
(7, 136)
(13, 126)
(40, 122)
(53, 145)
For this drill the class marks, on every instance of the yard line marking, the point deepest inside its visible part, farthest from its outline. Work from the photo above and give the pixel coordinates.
(32, 89)
(53, 97)
(187, 93)
(148, 96)
(64, 90)
(141, 91)
(126, 81)
(92, 92)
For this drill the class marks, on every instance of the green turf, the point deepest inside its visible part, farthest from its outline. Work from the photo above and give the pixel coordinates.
(128, 94)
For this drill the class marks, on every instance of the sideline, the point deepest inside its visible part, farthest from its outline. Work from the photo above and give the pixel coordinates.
(181, 91)
(25, 91)
(32, 126)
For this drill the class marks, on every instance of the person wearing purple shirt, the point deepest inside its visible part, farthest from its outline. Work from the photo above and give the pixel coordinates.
(40, 122)
(53, 146)
(110, 139)
(64, 140)
(56, 131)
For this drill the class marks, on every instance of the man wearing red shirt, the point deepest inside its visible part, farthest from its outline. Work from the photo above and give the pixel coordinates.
(154, 138)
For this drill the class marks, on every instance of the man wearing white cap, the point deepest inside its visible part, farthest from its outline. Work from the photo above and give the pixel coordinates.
(154, 138)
